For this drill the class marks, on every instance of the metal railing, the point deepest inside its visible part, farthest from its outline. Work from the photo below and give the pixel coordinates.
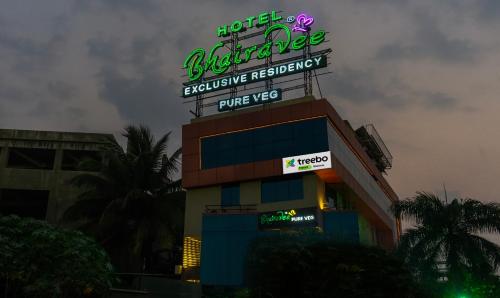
(235, 209)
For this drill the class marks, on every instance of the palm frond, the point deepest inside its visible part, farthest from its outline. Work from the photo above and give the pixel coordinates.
(423, 207)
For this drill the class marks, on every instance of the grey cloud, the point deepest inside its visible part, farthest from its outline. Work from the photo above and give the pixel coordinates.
(439, 101)
(361, 87)
(430, 42)
(61, 90)
(30, 55)
(148, 97)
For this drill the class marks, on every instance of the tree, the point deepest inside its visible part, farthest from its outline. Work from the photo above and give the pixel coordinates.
(129, 204)
(39, 260)
(445, 242)
(308, 265)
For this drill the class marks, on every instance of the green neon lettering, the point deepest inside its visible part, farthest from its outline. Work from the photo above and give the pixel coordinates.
(222, 31)
(211, 59)
(317, 37)
(282, 45)
(250, 21)
(248, 53)
(225, 62)
(299, 42)
(236, 26)
(237, 58)
(265, 51)
(263, 19)
(274, 17)
(193, 64)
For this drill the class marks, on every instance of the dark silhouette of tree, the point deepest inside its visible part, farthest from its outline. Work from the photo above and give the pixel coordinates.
(444, 244)
(129, 203)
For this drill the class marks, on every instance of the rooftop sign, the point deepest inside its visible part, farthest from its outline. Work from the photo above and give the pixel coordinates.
(220, 67)
(218, 63)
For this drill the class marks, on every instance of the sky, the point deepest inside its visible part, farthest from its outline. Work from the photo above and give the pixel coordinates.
(425, 73)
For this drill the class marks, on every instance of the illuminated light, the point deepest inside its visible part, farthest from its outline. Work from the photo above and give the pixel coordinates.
(191, 253)
(249, 77)
(288, 218)
(196, 65)
(303, 24)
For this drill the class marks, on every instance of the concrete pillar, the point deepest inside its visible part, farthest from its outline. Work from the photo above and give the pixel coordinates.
(4, 154)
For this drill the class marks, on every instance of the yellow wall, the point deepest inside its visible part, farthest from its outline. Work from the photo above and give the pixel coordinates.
(197, 199)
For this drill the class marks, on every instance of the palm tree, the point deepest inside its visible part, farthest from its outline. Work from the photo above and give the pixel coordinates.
(445, 238)
(128, 203)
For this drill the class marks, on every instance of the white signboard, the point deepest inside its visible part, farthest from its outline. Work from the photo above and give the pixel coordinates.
(307, 162)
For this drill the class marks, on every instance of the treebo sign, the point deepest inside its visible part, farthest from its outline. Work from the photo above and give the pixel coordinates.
(197, 65)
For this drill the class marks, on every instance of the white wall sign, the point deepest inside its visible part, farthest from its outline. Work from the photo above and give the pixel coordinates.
(307, 162)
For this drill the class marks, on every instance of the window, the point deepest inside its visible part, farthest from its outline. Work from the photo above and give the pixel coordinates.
(265, 143)
(282, 189)
(31, 158)
(24, 202)
(72, 160)
(230, 195)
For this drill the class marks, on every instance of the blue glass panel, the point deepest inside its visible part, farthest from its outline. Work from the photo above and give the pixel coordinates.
(265, 143)
(230, 195)
(282, 189)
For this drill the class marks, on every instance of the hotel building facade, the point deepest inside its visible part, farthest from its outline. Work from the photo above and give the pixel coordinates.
(233, 172)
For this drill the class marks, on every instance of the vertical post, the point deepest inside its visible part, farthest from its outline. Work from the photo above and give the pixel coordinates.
(307, 74)
(234, 67)
(269, 61)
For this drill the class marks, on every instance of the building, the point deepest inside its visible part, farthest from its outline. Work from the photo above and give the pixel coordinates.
(240, 183)
(35, 167)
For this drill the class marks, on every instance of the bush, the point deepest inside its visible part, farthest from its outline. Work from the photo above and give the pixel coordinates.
(312, 266)
(40, 260)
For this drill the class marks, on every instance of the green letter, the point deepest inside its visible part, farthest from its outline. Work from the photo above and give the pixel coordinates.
(211, 59)
(299, 42)
(317, 37)
(250, 21)
(236, 26)
(282, 45)
(265, 51)
(237, 54)
(263, 19)
(193, 64)
(274, 17)
(248, 53)
(222, 31)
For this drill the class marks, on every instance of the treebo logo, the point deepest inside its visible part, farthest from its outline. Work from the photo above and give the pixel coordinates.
(315, 159)
(307, 162)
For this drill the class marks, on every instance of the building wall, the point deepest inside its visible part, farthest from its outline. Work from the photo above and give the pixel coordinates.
(55, 180)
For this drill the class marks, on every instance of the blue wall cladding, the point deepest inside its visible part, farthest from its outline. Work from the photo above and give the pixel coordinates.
(272, 142)
(224, 246)
(342, 226)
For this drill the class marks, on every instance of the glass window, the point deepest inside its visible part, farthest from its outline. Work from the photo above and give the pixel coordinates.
(230, 195)
(31, 158)
(282, 189)
(81, 160)
(273, 142)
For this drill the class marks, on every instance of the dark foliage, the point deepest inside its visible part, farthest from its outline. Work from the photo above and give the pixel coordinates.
(133, 206)
(445, 244)
(39, 260)
(298, 266)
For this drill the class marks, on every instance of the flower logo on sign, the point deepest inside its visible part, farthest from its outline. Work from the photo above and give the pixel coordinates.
(303, 23)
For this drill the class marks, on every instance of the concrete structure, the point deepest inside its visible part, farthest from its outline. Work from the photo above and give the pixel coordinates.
(233, 173)
(35, 167)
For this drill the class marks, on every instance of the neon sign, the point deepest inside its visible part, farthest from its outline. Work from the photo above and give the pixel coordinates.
(304, 23)
(198, 62)
(305, 217)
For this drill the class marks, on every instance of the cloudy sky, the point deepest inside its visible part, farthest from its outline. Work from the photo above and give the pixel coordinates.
(426, 73)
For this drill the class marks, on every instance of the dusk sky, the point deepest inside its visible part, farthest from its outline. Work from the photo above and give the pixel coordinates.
(425, 73)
